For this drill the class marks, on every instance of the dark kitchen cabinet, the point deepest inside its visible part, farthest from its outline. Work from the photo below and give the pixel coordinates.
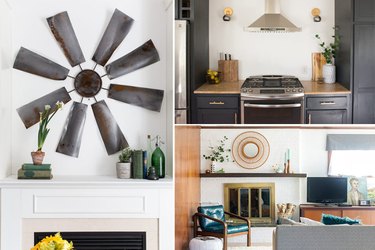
(196, 12)
(218, 109)
(355, 60)
(327, 109)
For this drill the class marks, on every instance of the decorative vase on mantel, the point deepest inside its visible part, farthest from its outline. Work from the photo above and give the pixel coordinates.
(213, 166)
(329, 73)
(37, 157)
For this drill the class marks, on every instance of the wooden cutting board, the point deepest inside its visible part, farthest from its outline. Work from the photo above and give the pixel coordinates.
(318, 61)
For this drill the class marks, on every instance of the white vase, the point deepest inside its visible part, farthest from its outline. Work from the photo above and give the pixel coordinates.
(213, 166)
(123, 170)
(329, 73)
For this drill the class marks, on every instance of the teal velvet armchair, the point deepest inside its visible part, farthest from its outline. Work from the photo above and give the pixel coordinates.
(212, 223)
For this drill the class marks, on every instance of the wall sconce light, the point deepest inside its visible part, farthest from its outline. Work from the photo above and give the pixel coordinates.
(227, 14)
(316, 14)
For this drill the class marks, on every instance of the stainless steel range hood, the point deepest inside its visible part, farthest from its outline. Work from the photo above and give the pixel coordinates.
(272, 20)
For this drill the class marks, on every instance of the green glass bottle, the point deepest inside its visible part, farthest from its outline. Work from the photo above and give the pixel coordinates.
(158, 159)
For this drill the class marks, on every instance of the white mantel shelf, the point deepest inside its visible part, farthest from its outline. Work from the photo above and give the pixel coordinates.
(67, 181)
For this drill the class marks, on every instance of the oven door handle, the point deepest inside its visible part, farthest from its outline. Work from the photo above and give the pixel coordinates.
(278, 106)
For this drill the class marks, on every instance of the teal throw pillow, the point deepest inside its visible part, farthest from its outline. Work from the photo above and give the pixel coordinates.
(329, 219)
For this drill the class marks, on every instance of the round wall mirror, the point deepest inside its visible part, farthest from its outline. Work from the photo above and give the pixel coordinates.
(250, 150)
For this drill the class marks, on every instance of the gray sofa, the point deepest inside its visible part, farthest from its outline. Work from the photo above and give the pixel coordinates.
(342, 237)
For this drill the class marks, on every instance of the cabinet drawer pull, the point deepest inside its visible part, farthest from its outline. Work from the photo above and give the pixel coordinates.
(216, 103)
(309, 120)
(327, 103)
(235, 118)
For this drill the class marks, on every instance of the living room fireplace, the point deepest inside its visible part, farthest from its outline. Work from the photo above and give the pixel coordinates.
(86, 204)
(100, 240)
(253, 200)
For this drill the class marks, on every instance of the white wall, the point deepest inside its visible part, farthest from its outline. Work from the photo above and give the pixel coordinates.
(269, 53)
(30, 30)
(308, 155)
(5, 88)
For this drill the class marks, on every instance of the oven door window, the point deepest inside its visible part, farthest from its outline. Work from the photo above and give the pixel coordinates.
(272, 113)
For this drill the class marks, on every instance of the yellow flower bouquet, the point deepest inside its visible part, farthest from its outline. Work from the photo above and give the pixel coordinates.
(53, 243)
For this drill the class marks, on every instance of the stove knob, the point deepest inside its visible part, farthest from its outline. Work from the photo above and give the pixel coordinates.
(294, 90)
(287, 90)
(250, 90)
(300, 90)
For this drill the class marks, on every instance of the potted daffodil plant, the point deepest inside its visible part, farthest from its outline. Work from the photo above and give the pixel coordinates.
(45, 117)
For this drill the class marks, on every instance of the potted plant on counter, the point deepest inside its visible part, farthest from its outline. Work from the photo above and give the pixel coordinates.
(123, 166)
(329, 53)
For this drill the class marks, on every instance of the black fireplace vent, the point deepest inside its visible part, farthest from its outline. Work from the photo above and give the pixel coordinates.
(101, 240)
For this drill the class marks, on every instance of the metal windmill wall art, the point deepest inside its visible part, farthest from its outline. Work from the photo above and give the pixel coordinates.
(88, 83)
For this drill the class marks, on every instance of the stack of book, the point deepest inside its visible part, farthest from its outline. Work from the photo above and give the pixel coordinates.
(139, 164)
(31, 171)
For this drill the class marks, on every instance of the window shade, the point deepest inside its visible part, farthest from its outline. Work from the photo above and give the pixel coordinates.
(350, 142)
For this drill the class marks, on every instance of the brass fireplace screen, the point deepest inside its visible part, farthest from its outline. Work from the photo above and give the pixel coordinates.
(253, 200)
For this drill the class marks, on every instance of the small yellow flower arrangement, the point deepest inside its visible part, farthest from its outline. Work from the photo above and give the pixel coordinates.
(213, 76)
(53, 243)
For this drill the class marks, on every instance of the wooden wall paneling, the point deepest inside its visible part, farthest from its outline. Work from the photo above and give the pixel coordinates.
(187, 182)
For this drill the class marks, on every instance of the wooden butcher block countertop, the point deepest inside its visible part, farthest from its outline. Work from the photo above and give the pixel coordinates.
(311, 88)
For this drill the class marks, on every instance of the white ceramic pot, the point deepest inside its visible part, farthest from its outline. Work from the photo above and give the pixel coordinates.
(123, 170)
(329, 73)
(213, 166)
(205, 243)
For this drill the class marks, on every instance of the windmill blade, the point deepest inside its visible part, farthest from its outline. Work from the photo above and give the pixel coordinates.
(29, 113)
(63, 31)
(141, 57)
(143, 97)
(117, 29)
(70, 141)
(31, 62)
(113, 138)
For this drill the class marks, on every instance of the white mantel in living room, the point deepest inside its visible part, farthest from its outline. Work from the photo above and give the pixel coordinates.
(103, 203)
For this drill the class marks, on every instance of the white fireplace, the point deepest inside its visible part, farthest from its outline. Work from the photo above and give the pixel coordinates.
(86, 204)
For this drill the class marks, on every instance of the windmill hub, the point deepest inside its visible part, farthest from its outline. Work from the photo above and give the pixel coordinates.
(88, 83)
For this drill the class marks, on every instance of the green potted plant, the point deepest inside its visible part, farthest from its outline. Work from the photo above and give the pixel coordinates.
(123, 166)
(218, 153)
(45, 118)
(329, 52)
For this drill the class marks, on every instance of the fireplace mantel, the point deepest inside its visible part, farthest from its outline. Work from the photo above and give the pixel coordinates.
(69, 181)
(85, 197)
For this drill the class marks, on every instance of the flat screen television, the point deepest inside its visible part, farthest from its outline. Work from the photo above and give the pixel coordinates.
(327, 189)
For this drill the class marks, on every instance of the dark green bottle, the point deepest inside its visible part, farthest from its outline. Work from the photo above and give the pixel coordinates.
(158, 159)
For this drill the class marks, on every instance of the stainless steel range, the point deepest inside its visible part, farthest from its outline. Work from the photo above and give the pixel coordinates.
(272, 99)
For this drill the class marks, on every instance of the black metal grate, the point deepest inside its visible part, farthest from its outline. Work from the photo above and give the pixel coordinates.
(101, 240)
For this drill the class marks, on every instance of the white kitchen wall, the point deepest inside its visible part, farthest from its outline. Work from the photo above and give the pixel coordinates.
(308, 155)
(5, 88)
(269, 53)
(89, 19)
